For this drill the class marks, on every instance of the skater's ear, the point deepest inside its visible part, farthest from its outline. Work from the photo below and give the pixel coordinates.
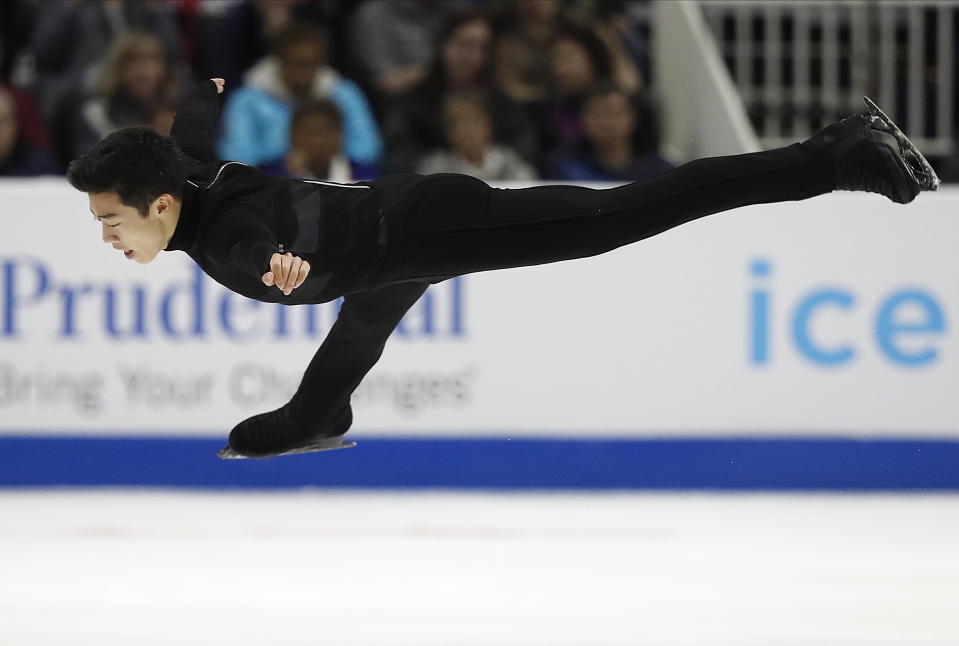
(163, 204)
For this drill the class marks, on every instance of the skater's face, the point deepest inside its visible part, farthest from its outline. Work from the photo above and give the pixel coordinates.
(139, 238)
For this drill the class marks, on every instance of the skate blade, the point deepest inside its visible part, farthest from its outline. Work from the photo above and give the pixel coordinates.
(325, 444)
(925, 175)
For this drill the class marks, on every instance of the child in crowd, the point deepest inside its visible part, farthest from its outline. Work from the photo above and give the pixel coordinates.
(315, 148)
(470, 147)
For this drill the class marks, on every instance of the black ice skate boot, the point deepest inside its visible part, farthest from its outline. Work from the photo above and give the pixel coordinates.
(859, 147)
(279, 433)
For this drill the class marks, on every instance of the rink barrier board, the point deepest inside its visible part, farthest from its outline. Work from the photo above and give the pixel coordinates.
(798, 463)
(776, 320)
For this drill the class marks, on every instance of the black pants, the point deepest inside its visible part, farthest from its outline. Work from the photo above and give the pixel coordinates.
(446, 225)
(438, 226)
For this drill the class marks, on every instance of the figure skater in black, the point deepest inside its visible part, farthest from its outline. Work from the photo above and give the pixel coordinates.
(380, 244)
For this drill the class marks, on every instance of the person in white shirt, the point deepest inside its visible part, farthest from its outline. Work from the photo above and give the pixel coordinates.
(470, 148)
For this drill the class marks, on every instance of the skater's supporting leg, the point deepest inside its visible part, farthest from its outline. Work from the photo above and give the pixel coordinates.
(353, 346)
(321, 406)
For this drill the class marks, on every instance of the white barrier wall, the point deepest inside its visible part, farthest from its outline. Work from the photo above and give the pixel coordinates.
(703, 113)
(830, 315)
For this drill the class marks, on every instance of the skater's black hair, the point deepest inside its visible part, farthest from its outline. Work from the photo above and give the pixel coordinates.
(136, 163)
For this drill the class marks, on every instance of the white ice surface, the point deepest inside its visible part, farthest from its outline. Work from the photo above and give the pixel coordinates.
(144, 568)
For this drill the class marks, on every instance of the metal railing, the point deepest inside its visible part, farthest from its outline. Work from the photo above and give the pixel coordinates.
(801, 65)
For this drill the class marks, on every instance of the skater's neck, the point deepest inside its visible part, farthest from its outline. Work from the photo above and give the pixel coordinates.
(168, 223)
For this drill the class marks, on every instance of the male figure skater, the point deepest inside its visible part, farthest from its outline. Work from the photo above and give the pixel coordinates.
(382, 243)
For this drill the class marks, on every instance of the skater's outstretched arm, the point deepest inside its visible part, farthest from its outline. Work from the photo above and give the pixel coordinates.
(354, 344)
(194, 126)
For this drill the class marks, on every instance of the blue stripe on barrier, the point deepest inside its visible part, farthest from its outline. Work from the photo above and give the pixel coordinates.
(519, 463)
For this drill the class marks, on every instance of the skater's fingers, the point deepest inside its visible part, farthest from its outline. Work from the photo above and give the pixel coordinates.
(219, 85)
(290, 283)
(280, 266)
(302, 273)
(268, 279)
(286, 262)
(276, 268)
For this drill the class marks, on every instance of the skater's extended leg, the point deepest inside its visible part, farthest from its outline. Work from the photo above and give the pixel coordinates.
(452, 224)
(456, 225)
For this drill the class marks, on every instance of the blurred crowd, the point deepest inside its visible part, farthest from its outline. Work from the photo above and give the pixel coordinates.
(342, 90)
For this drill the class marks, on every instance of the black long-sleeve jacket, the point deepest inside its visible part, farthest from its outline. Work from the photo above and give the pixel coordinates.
(234, 218)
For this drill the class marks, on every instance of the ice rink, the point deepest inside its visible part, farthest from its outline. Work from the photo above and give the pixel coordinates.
(320, 567)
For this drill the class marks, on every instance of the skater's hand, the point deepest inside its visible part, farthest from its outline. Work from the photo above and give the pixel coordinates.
(287, 272)
(219, 85)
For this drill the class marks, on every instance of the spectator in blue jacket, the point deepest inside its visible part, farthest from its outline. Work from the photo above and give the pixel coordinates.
(256, 118)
